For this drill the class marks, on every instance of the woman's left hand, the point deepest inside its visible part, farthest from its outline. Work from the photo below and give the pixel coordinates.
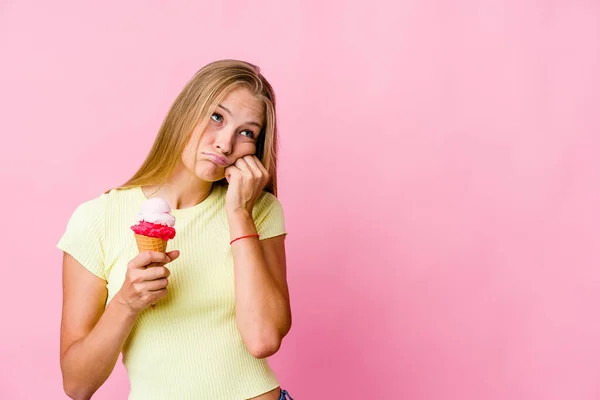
(247, 178)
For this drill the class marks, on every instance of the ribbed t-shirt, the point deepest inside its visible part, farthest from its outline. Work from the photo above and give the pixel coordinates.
(188, 346)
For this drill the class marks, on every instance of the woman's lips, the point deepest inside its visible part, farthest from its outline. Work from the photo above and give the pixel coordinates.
(217, 159)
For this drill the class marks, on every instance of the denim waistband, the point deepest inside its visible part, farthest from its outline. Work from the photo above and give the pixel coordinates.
(285, 395)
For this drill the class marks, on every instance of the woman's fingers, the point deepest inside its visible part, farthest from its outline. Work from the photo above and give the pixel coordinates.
(157, 284)
(156, 295)
(149, 258)
(145, 258)
(154, 273)
(173, 254)
(232, 172)
(253, 166)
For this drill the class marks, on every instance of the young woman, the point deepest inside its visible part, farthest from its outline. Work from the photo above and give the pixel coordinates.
(198, 321)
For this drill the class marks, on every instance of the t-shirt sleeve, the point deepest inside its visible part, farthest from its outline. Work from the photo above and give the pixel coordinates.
(83, 238)
(268, 216)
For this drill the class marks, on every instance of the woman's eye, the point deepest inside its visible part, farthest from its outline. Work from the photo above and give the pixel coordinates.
(248, 133)
(217, 117)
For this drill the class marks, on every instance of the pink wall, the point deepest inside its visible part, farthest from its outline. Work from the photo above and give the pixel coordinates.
(439, 171)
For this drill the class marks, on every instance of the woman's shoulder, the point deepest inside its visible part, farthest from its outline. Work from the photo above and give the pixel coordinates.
(101, 203)
(90, 228)
(268, 216)
(118, 195)
(267, 206)
(267, 199)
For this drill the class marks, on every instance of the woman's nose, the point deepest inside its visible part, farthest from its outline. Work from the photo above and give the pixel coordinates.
(224, 141)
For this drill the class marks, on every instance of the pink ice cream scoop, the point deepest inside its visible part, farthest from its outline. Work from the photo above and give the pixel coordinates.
(155, 225)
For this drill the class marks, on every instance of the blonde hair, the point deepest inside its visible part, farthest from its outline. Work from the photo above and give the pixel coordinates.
(194, 105)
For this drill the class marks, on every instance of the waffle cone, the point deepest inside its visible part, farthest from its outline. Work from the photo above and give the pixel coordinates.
(150, 243)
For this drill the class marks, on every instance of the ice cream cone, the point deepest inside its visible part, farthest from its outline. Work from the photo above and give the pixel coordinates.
(154, 225)
(150, 243)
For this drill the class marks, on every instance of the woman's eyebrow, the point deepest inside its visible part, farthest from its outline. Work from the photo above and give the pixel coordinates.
(249, 122)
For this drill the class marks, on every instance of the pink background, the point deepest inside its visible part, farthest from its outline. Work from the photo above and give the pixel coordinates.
(439, 172)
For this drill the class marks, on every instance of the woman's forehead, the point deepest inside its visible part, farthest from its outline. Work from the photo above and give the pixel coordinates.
(242, 102)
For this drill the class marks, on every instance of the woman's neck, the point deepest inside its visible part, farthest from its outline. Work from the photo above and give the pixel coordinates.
(181, 191)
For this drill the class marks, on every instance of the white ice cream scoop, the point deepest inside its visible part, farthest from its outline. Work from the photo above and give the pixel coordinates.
(157, 211)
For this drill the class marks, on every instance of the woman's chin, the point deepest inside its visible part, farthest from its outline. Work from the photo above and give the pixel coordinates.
(210, 177)
(209, 171)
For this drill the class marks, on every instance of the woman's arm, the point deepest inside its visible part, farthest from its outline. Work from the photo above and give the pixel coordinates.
(262, 301)
(91, 335)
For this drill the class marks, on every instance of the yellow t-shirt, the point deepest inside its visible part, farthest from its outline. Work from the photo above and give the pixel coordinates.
(188, 346)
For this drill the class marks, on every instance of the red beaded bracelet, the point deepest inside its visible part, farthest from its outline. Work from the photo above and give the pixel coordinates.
(256, 235)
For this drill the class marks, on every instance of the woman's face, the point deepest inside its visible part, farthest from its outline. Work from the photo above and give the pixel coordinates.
(231, 133)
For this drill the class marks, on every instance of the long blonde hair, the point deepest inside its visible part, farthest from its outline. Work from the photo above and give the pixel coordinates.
(194, 105)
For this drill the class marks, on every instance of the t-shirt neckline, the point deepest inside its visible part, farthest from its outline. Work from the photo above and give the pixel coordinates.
(193, 210)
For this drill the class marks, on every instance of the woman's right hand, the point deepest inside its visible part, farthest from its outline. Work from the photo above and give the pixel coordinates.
(146, 280)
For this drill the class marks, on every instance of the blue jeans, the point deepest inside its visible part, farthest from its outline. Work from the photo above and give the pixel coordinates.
(285, 395)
